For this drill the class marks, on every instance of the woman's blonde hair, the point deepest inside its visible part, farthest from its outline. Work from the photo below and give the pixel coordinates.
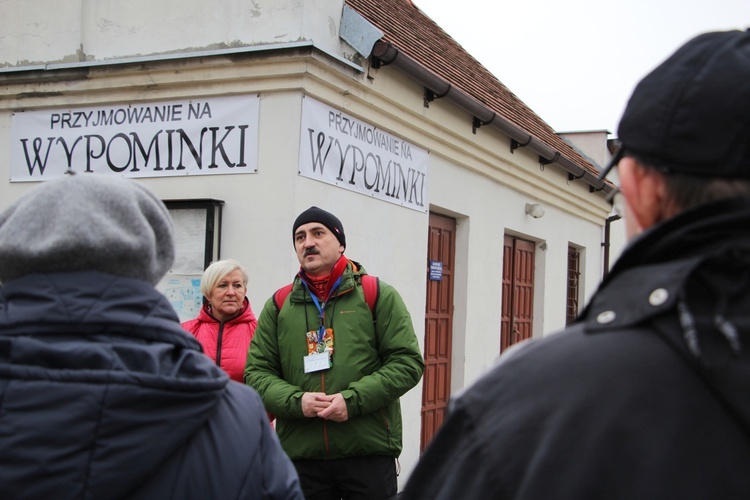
(217, 270)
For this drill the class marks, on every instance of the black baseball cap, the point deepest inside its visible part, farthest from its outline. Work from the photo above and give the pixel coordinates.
(691, 114)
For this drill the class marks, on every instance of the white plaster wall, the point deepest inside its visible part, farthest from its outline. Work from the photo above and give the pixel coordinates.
(592, 143)
(43, 31)
(490, 210)
(618, 236)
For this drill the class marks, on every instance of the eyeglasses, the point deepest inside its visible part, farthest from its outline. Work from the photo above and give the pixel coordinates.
(617, 200)
(612, 163)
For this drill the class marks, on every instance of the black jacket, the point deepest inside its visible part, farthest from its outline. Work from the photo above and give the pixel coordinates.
(103, 395)
(647, 396)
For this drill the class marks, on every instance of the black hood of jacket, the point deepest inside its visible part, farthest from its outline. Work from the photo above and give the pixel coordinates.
(99, 385)
(689, 279)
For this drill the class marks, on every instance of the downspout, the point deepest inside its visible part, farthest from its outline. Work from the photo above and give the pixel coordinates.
(606, 243)
(386, 53)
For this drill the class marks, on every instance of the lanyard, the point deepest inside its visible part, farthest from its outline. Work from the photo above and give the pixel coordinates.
(322, 307)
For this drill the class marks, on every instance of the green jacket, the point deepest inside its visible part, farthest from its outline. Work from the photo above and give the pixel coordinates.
(374, 363)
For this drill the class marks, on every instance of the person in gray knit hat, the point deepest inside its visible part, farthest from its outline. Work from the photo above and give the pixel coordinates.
(102, 393)
(87, 223)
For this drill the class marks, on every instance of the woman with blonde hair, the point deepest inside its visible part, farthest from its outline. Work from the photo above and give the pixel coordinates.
(226, 323)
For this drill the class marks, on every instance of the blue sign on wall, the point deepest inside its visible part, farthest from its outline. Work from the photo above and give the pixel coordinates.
(436, 270)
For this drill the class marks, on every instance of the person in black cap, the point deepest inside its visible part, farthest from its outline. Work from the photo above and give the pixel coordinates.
(646, 395)
(331, 356)
(102, 394)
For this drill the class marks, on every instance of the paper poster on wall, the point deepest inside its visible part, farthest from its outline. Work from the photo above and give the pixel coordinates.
(190, 240)
(199, 136)
(184, 293)
(347, 152)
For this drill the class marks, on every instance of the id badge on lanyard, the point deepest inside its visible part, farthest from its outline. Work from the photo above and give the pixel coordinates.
(320, 342)
(319, 350)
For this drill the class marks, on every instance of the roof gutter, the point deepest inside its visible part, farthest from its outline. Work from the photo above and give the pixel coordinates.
(386, 53)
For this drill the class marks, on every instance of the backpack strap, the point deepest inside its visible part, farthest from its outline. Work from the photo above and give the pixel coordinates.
(280, 296)
(370, 287)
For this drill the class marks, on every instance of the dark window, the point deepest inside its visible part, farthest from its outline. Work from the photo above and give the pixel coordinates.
(574, 274)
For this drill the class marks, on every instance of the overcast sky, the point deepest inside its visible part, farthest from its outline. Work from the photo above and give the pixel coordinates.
(575, 62)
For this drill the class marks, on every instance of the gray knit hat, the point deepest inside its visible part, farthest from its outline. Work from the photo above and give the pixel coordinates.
(87, 222)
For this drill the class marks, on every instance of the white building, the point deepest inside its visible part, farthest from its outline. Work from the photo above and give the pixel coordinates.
(243, 114)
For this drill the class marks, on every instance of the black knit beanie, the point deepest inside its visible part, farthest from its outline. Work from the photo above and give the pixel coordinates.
(315, 214)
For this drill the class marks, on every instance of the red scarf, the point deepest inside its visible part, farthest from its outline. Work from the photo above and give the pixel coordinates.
(321, 285)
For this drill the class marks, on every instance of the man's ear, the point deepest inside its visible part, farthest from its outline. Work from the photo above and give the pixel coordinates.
(644, 191)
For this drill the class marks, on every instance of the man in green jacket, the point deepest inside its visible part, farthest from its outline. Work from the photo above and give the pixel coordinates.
(332, 370)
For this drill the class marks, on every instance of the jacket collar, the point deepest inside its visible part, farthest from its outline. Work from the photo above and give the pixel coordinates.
(638, 294)
(654, 269)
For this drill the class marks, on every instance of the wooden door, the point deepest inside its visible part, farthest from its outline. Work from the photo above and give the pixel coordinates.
(438, 324)
(518, 291)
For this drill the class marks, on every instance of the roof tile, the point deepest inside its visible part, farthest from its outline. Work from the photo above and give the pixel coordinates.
(413, 32)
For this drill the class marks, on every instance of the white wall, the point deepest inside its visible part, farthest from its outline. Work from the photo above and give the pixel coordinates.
(55, 31)
(492, 210)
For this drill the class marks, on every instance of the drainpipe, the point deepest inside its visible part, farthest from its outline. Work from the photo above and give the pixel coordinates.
(606, 243)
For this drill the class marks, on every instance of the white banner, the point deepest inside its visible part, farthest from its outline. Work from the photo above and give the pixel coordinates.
(339, 149)
(202, 136)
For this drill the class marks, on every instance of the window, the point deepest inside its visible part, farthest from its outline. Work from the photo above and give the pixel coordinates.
(574, 274)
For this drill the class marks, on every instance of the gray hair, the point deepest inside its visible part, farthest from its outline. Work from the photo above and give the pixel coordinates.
(217, 271)
(686, 191)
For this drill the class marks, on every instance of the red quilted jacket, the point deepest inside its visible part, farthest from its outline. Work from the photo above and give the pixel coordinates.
(228, 341)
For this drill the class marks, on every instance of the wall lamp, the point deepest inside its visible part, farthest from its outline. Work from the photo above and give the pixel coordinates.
(535, 210)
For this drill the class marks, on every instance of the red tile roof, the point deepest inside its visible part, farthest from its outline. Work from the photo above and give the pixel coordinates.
(415, 34)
